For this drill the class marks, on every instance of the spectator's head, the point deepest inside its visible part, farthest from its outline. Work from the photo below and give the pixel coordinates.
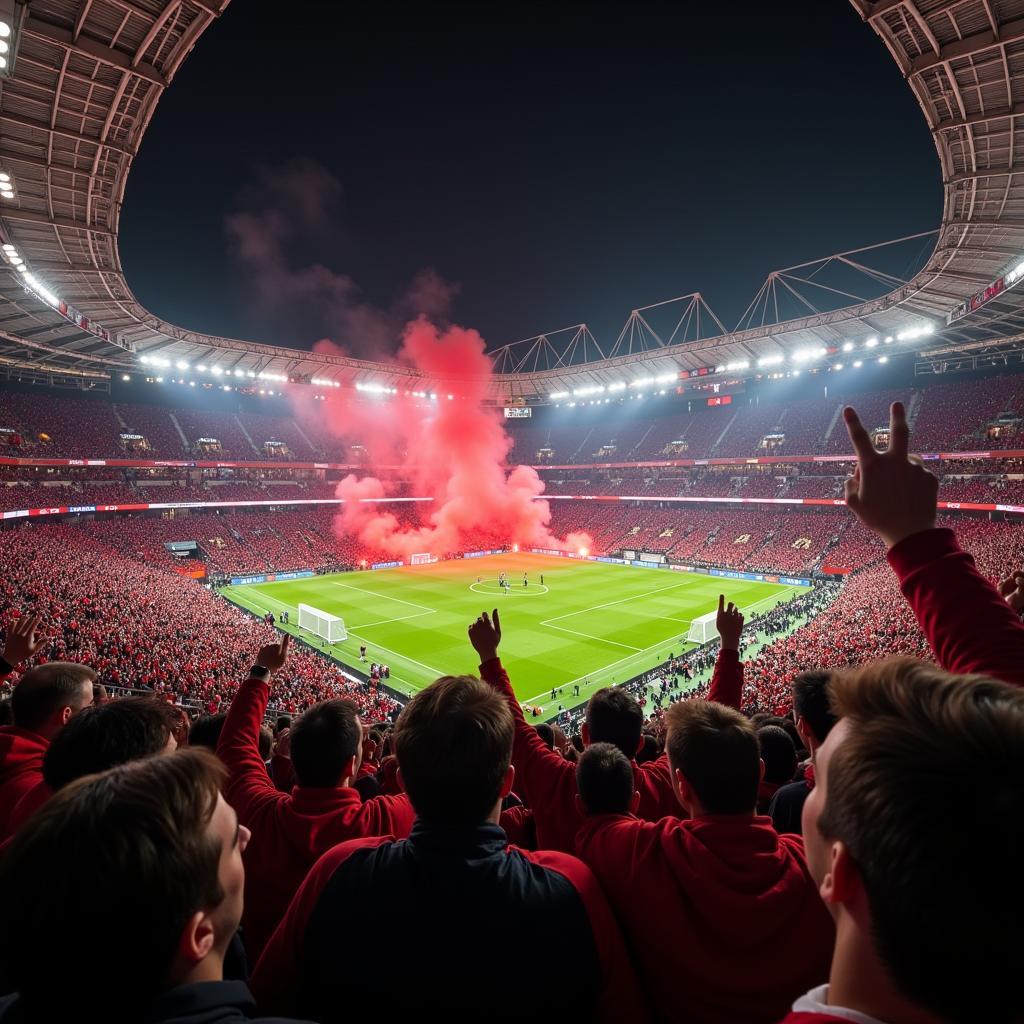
(266, 743)
(283, 722)
(206, 730)
(715, 758)
(604, 779)
(778, 754)
(614, 716)
(49, 695)
(453, 742)
(99, 694)
(811, 709)
(929, 900)
(546, 734)
(107, 735)
(648, 749)
(327, 744)
(157, 869)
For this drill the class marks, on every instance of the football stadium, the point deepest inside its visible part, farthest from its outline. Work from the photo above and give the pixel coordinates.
(669, 661)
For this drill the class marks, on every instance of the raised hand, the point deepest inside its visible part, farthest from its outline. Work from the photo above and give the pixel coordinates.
(22, 640)
(273, 656)
(485, 635)
(890, 492)
(1012, 589)
(729, 623)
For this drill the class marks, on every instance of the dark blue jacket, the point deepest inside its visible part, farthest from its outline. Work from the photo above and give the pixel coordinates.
(457, 911)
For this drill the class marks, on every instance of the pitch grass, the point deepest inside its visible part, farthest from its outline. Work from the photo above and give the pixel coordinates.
(590, 623)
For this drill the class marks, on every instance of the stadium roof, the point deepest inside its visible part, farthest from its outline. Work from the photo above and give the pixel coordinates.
(83, 80)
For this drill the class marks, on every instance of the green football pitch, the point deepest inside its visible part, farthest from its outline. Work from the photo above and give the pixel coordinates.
(590, 623)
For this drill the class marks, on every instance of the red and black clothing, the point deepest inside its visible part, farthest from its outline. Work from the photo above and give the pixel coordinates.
(968, 624)
(289, 830)
(547, 782)
(720, 913)
(461, 902)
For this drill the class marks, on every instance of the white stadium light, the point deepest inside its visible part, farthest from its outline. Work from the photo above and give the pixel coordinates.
(641, 382)
(771, 360)
(848, 346)
(617, 386)
(883, 359)
(857, 364)
(838, 366)
(182, 365)
(668, 378)
(217, 371)
(559, 394)
(740, 364)
(871, 343)
(201, 368)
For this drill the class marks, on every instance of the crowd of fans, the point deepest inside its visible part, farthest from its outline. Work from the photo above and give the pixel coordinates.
(775, 848)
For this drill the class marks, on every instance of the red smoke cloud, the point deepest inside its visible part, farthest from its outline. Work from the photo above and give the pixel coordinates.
(452, 450)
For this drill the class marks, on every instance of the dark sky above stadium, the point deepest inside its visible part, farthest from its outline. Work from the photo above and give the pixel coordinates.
(325, 169)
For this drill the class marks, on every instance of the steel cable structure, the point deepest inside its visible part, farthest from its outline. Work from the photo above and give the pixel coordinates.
(82, 78)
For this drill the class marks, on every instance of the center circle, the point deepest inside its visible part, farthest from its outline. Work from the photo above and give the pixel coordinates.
(491, 587)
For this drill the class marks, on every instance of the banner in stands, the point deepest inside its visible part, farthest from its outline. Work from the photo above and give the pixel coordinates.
(481, 554)
(757, 577)
(386, 565)
(272, 577)
(613, 561)
(772, 460)
(971, 506)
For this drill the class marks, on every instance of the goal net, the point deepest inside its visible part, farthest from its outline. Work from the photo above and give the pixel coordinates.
(425, 559)
(330, 627)
(703, 628)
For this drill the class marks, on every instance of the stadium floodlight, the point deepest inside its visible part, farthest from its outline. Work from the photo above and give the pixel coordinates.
(617, 386)
(7, 247)
(857, 364)
(239, 373)
(4, 176)
(181, 364)
(848, 346)
(770, 360)
(838, 366)
(805, 355)
(250, 373)
(555, 395)
(124, 376)
(217, 372)
(740, 364)
(201, 368)
(668, 378)
(871, 343)
(641, 382)
(883, 359)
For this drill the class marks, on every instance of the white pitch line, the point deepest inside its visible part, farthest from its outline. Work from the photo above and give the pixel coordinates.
(621, 600)
(400, 618)
(629, 657)
(604, 640)
(387, 597)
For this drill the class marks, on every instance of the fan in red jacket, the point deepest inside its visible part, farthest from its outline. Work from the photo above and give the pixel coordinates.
(43, 700)
(291, 830)
(454, 895)
(720, 913)
(925, 909)
(970, 627)
(547, 781)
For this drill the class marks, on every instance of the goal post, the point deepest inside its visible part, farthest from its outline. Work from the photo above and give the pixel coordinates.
(703, 629)
(330, 627)
(424, 559)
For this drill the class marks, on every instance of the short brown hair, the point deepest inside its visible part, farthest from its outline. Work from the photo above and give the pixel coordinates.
(614, 716)
(453, 742)
(47, 688)
(113, 861)
(717, 751)
(926, 791)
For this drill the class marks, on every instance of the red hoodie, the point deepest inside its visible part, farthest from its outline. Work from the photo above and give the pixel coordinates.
(968, 624)
(21, 770)
(289, 830)
(547, 782)
(720, 913)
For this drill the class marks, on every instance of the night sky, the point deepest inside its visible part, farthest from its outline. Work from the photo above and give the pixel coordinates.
(559, 163)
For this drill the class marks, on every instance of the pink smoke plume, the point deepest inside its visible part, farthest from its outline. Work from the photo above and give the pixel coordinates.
(451, 450)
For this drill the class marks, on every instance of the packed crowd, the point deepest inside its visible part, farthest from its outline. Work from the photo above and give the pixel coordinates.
(730, 864)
